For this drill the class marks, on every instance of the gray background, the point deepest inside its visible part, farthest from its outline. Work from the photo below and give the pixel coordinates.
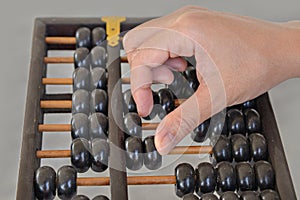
(17, 18)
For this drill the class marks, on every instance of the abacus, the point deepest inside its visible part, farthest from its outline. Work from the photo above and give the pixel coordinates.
(247, 159)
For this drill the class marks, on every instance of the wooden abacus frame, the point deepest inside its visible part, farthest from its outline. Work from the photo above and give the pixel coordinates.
(32, 138)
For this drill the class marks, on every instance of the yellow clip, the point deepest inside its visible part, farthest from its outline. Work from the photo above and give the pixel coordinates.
(113, 24)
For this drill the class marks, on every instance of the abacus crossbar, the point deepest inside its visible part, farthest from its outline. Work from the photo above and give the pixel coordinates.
(69, 81)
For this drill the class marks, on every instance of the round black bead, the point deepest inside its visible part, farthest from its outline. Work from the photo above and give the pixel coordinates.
(81, 102)
(152, 159)
(99, 78)
(264, 174)
(100, 155)
(240, 148)
(166, 99)
(222, 149)
(269, 195)
(249, 104)
(245, 176)
(80, 197)
(252, 120)
(209, 196)
(81, 79)
(185, 179)
(80, 126)
(98, 57)
(191, 76)
(134, 153)
(80, 155)
(98, 126)
(66, 182)
(100, 197)
(249, 195)
(226, 177)
(133, 124)
(98, 36)
(258, 147)
(235, 121)
(180, 86)
(129, 103)
(82, 58)
(229, 195)
(190, 197)
(218, 125)
(206, 179)
(45, 183)
(99, 101)
(83, 37)
(200, 133)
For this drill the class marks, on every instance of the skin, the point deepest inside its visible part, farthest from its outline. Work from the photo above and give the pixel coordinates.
(238, 58)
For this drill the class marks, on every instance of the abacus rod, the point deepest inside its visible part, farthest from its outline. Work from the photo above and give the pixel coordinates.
(69, 60)
(178, 150)
(69, 81)
(60, 40)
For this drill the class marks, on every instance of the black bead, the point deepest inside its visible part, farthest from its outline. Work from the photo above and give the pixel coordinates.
(206, 179)
(134, 153)
(81, 102)
(80, 155)
(80, 126)
(45, 183)
(258, 147)
(99, 101)
(98, 126)
(156, 107)
(185, 179)
(269, 195)
(152, 159)
(252, 121)
(190, 197)
(240, 148)
(218, 125)
(83, 37)
(81, 79)
(100, 155)
(100, 197)
(226, 177)
(235, 121)
(191, 76)
(249, 104)
(264, 174)
(98, 57)
(80, 197)
(66, 182)
(245, 176)
(180, 86)
(99, 78)
(82, 58)
(133, 124)
(98, 36)
(200, 133)
(229, 195)
(166, 99)
(129, 103)
(209, 196)
(222, 149)
(249, 195)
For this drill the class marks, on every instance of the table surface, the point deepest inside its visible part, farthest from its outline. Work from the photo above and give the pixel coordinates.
(17, 21)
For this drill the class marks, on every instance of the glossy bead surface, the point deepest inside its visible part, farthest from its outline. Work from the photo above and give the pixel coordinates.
(200, 133)
(99, 101)
(191, 77)
(249, 104)
(226, 177)
(180, 86)
(218, 125)
(185, 179)
(98, 57)
(98, 126)
(66, 182)
(245, 176)
(83, 37)
(45, 183)
(100, 155)
(206, 179)
(129, 103)
(152, 159)
(229, 195)
(240, 148)
(264, 175)
(269, 195)
(190, 197)
(252, 121)
(81, 79)
(133, 124)
(222, 150)
(80, 126)
(258, 147)
(99, 78)
(134, 153)
(82, 58)
(209, 196)
(249, 195)
(80, 155)
(80, 197)
(235, 121)
(81, 102)
(100, 197)
(98, 36)
(166, 99)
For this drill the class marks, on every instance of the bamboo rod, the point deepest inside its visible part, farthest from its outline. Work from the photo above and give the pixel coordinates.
(69, 81)
(60, 40)
(70, 60)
